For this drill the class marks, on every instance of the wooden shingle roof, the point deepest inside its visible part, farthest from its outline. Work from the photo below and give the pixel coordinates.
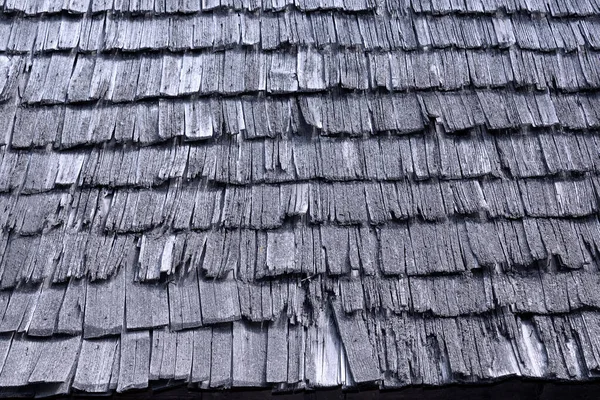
(298, 194)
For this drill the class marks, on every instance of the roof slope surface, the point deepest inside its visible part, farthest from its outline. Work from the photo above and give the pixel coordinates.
(297, 194)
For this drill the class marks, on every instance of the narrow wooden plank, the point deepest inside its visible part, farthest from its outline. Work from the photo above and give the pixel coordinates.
(135, 361)
(277, 351)
(201, 354)
(20, 307)
(105, 307)
(162, 361)
(146, 304)
(169, 354)
(219, 300)
(5, 344)
(360, 352)
(95, 364)
(114, 376)
(184, 302)
(249, 354)
(222, 349)
(185, 355)
(295, 353)
(70, 316)
(280, 257)
(45, 316)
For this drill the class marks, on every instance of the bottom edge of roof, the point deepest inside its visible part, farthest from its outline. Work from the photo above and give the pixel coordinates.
(507, 387)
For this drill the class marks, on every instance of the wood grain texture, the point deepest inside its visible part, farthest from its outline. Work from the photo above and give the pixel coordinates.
(298, 195)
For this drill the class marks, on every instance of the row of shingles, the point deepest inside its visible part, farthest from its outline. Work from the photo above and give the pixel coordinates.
(66, 78)
(105, 308)
(453, 69)
(151, 122)
(161, 7)
(554, 7)
(508, 110)
(477, 154)
(199, 206)
(163, 358)
(526, 292)
(60, 309)
(194, 119)
(366, 31)
(434, 351)
(405, 248)
(270, 31)
(200, 356)
(357, 203)
(344, 70)
(410, 349)
(455, 247)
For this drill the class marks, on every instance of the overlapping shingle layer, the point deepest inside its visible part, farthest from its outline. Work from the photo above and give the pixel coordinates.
(298, 194)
